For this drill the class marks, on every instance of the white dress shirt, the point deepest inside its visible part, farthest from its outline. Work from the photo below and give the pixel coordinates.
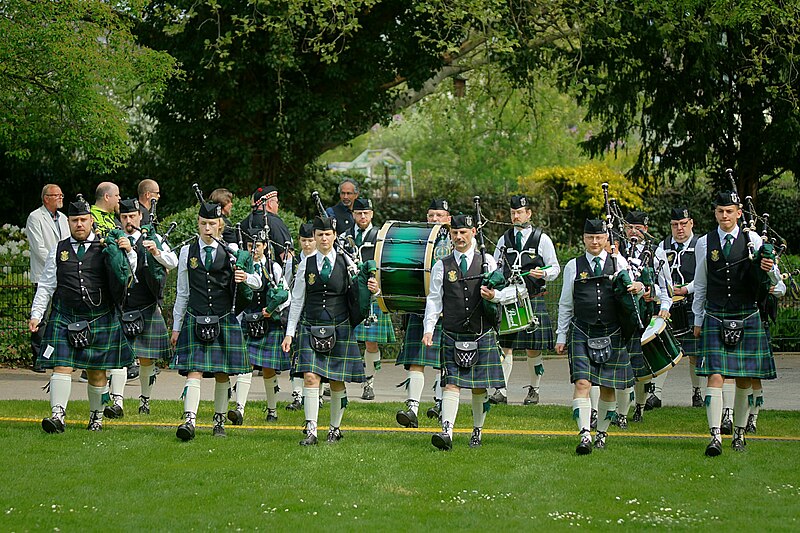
(299, 289)
(49, 281)
(546, 250)
(566, 304)
(676, 264)
(182, 297)
(701, 269)
(167, 258)
(44, 232)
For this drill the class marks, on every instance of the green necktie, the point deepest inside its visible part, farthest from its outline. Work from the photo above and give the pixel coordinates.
(325, 273)
(359, 237)
(209, 259)
(726, 248)
(463, 264)
(678, 246)
(598, 270)
(81, 250)
(518, 244)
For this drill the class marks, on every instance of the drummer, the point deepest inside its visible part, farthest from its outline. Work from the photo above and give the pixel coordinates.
(414, 355)
(725, 297)
(380, 330)
(658, 297)
(587, 310)
(679, 250)
(539, 265)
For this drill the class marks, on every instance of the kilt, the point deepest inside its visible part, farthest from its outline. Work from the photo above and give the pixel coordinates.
(485, 373)
(109, 348)
(344, 363)
(634, 349)
(616, 373)
(381, 331)
(266, 352)
(413, 351)
(751, 358)
(153, 341)
(690, 345)
(541, 339)
(226, 354)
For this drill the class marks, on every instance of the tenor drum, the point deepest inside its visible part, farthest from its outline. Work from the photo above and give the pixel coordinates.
(680, 316)
(405, 253)
(660, 348)
(518, 315)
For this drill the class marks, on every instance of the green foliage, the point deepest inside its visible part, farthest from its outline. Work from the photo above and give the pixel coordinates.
(569, 195)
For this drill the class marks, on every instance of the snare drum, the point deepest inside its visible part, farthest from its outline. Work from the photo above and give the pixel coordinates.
(518, 315)
(405, 253)
(681, 316)
(660, 348)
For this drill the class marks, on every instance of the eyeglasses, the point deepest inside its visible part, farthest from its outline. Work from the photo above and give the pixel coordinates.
(55, 195)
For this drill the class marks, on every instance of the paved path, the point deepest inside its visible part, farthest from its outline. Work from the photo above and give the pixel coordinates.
(781, 393)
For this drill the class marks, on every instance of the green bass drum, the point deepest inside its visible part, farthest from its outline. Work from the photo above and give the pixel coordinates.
(405, 253)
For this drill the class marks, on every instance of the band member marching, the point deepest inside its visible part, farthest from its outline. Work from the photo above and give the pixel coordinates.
(589, 331)
(377, 329)
(212, 275)
(415, 355)
(85, 281)
(141, 319)
(327, 349)
(733, 343)
(534, 252)
(470, 353)
(263, 329)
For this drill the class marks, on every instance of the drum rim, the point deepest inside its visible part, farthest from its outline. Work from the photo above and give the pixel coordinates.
(667, 368)
(658, 331)
(434, 227)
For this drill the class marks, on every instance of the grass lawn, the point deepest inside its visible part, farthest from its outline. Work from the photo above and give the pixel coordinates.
(135, 477)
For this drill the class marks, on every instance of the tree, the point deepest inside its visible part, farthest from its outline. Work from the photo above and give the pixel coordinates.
(704, 85)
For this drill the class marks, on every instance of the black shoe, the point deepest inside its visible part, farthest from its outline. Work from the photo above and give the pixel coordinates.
(407, 419)
(533, 396)
(335, 435)
(585, 445)
(726, 428)
(272, 415)
(622, 422)
(653, 402)
(442, 441)
(751, 425)
(113, 411)
(219, 425)
(739, 444)
(37, 367)
(310, 440)
(475, 439)
(697, 400)
(593, 419)
(53, 425)
(236, 416)
(84, 377)
(714, 448)
(296, 404)
(496, 398)
(144, 405)
(637, 413)
(95, 421)
(435, 411)
(185, 431)
(600, 440)
(368, 393)
(133, 372)
(326, 390)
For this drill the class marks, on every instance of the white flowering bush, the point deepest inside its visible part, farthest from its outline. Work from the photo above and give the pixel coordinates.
(13, 246)
(16, 293)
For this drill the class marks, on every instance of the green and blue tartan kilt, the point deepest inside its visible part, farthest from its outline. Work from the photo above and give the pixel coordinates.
(634, 348)
(541, 339)
(381, 331)
(616, 373)
(750, 358)
(690, 345)
(226, 354)
(344, 363)
(153, 341)
(413, 351)
(266, 352)
(109, 348)
(487, 371)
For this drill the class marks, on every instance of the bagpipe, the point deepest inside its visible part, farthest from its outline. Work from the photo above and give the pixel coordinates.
(359, 297)
(276, 293)
(491, 280)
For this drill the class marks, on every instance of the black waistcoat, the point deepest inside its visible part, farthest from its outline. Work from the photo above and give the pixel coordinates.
(326, 300)
(729, 285)
(139, 294)
(593, 297)
(259, 300)
(210, 292)
(461, 299)
(530, 258)
(81, 284)
(688, 259)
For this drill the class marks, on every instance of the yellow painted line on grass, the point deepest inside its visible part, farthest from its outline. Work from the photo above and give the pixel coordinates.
(377, 429)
